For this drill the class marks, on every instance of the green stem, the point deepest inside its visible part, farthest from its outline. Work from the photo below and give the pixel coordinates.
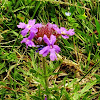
(45, 76)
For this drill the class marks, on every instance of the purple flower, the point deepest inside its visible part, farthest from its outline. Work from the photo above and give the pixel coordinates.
(65, 33)
(53, 49)
(45, 97)
(49, 25)
(28, 42)
(21, 25)
(38, 25)
(30, 27)
(39, 39)
(70, 32)
(55, 27)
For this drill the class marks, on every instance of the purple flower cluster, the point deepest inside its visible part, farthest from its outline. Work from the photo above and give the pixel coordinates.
(45, 35)
(53, 49)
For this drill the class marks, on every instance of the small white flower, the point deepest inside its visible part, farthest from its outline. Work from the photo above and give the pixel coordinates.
(67, 13)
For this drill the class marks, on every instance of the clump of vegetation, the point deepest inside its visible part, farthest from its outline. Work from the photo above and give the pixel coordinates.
(73, 74)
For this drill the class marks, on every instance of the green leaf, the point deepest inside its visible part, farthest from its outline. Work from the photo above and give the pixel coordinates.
(80, 10)
(72, 9)
(36, 8)
(76, 96)
(12, 56)
(81, 17)
(72, 82)
(35, 97)
(98, 78)
(89, 56)
(86, 95)
(68, 45)
(87, 0)
(1, 65)
(21, 17)
(54, 19)
(85, 89)
(67, 96)
(88, 86)
(63, 11)
(99, 97)
(98, 27)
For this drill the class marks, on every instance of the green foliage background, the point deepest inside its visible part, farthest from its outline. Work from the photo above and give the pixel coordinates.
(21, 74)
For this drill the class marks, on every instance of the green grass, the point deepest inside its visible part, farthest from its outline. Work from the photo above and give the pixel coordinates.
(75, 76)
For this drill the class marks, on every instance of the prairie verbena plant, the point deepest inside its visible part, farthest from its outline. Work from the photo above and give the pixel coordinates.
(45, 36)
(71, 72)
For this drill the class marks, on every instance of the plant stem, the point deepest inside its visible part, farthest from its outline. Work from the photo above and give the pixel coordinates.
(45, 76)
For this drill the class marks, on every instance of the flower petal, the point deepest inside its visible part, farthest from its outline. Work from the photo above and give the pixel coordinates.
(55, 27)
(21, 25)
(67, 13)
(65, 36)
(53, 54)
(39, 46)
(70, 32)
(39, 39)
(46, 40)
(25, 31)
(52, 39)
(38, 25)
(63, 30)
(50, 25)
(44, 51)
(31, 22)
(30, 37)
(24, 40)
(30, 43)
(57, 48)
(33, 30)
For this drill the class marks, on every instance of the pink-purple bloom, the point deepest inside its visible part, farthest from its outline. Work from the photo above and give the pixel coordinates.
(70, 32)
(55, 27)
(28, 42)
(30, 27)
(45, 97)
(53, 49)
(21, 25)
(40, 35)
(65, 33)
